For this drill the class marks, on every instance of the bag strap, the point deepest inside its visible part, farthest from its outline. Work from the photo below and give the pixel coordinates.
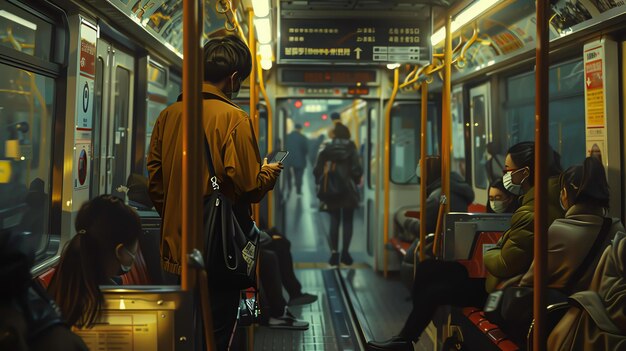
(591, 255)
(207, 149)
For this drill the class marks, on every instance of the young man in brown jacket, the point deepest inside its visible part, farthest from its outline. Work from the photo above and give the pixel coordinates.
(236, 158)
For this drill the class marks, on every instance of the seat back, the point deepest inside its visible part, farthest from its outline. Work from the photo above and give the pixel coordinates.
(468, 235)
(45, 277)
(150, 243)
(144, 318)
(138, 275)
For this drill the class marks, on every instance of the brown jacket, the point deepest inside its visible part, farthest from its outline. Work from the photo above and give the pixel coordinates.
(236, 159)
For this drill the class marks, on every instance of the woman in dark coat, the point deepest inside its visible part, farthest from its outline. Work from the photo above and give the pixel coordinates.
(339, 165)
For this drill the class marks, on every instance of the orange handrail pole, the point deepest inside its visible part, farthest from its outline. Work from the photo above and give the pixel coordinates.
(387, 163)
(192, 187)
(192, 135)
(446, 123)
(542, 151)
(423, 171)
(270, 138)
(254, 93)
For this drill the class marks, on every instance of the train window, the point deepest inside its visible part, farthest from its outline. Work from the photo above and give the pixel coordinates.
(567, 116)
(24, 32)
(263, 145)
(173, 88)
(121, 127)
(458, 133)
(26, 125)
(405, 142)
(156, 75)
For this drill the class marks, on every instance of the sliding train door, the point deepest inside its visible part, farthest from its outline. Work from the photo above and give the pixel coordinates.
(115, 71)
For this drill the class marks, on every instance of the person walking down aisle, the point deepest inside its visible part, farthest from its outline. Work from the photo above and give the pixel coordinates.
(337, 171)
(298, 146)
(236, 158)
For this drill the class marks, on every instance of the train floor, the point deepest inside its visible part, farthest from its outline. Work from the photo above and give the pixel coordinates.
(355, 304)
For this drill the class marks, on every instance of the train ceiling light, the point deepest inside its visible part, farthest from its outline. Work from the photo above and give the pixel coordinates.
(261, 8)
(263, 29)
(469, 14)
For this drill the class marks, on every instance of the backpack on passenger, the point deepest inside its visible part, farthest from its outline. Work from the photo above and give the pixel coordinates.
(596, 318)
(331, 186)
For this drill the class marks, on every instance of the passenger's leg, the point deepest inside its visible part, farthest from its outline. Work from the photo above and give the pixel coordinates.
(271, 284)
(335, 217)
(348, 215)
(299, 172)
(440, 283)
(282, 248)
(224, 306)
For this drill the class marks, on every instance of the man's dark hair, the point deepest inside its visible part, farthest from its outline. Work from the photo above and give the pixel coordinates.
(225, 56)
(341, 132)
(335, 116)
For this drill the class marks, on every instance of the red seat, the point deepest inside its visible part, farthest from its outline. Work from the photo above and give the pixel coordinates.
(45, 277)
(491, 331)
(476, 208)
(138, 275)
(475, 266)
(400, 245)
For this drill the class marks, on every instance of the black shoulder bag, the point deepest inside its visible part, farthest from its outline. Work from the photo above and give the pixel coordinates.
(230, 253)
(514, 304)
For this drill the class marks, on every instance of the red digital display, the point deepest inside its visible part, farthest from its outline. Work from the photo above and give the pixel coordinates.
(358, 91)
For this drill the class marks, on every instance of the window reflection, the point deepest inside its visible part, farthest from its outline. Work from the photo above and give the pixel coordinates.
(26, 123)
(23, 32)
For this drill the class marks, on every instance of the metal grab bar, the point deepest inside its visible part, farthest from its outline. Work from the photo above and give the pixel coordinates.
(270, 136)
(386, 155)
(423, 172)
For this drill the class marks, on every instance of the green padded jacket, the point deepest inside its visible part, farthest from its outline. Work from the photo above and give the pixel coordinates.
(514, 252)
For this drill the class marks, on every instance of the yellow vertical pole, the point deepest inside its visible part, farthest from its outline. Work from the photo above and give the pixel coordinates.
(355, 122)
(270, 139)
(542, 151)
(192, 134)
(423, 173)
(446, 118)
(254, 94)
(387, 156)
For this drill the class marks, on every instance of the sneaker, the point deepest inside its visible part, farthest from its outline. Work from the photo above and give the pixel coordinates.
(346, 258)
(395, 343)
(288, 321)
(303, 299)
(334, 259)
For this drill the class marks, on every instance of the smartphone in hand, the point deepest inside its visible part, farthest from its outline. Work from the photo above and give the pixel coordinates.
(280, 156)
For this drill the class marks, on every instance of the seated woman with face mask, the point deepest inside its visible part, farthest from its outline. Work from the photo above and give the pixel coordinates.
(585, 198)
(500, 199)
(104, 247)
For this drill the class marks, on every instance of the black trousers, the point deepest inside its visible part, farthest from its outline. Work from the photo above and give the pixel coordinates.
(281, 247)
(224, 308)
(338, 216)
(438, 283)
(296, 173)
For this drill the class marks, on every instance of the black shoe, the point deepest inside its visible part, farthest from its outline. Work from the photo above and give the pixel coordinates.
(346, 258)
(334, 259)
(303, 299)
(287, 321)
(396, 343)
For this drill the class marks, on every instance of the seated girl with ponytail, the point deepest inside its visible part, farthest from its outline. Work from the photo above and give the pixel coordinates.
(585, 198)
(104, 247)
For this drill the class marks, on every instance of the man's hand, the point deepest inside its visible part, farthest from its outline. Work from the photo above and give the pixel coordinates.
(273, 168)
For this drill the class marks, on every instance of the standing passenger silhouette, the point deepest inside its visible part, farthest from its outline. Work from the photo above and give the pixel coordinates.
(298, 146)
(235, 152)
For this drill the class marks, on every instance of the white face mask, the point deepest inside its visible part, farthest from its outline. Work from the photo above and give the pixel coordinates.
(561, 202)
(498, 206)
(124, 268)
(508, 183)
